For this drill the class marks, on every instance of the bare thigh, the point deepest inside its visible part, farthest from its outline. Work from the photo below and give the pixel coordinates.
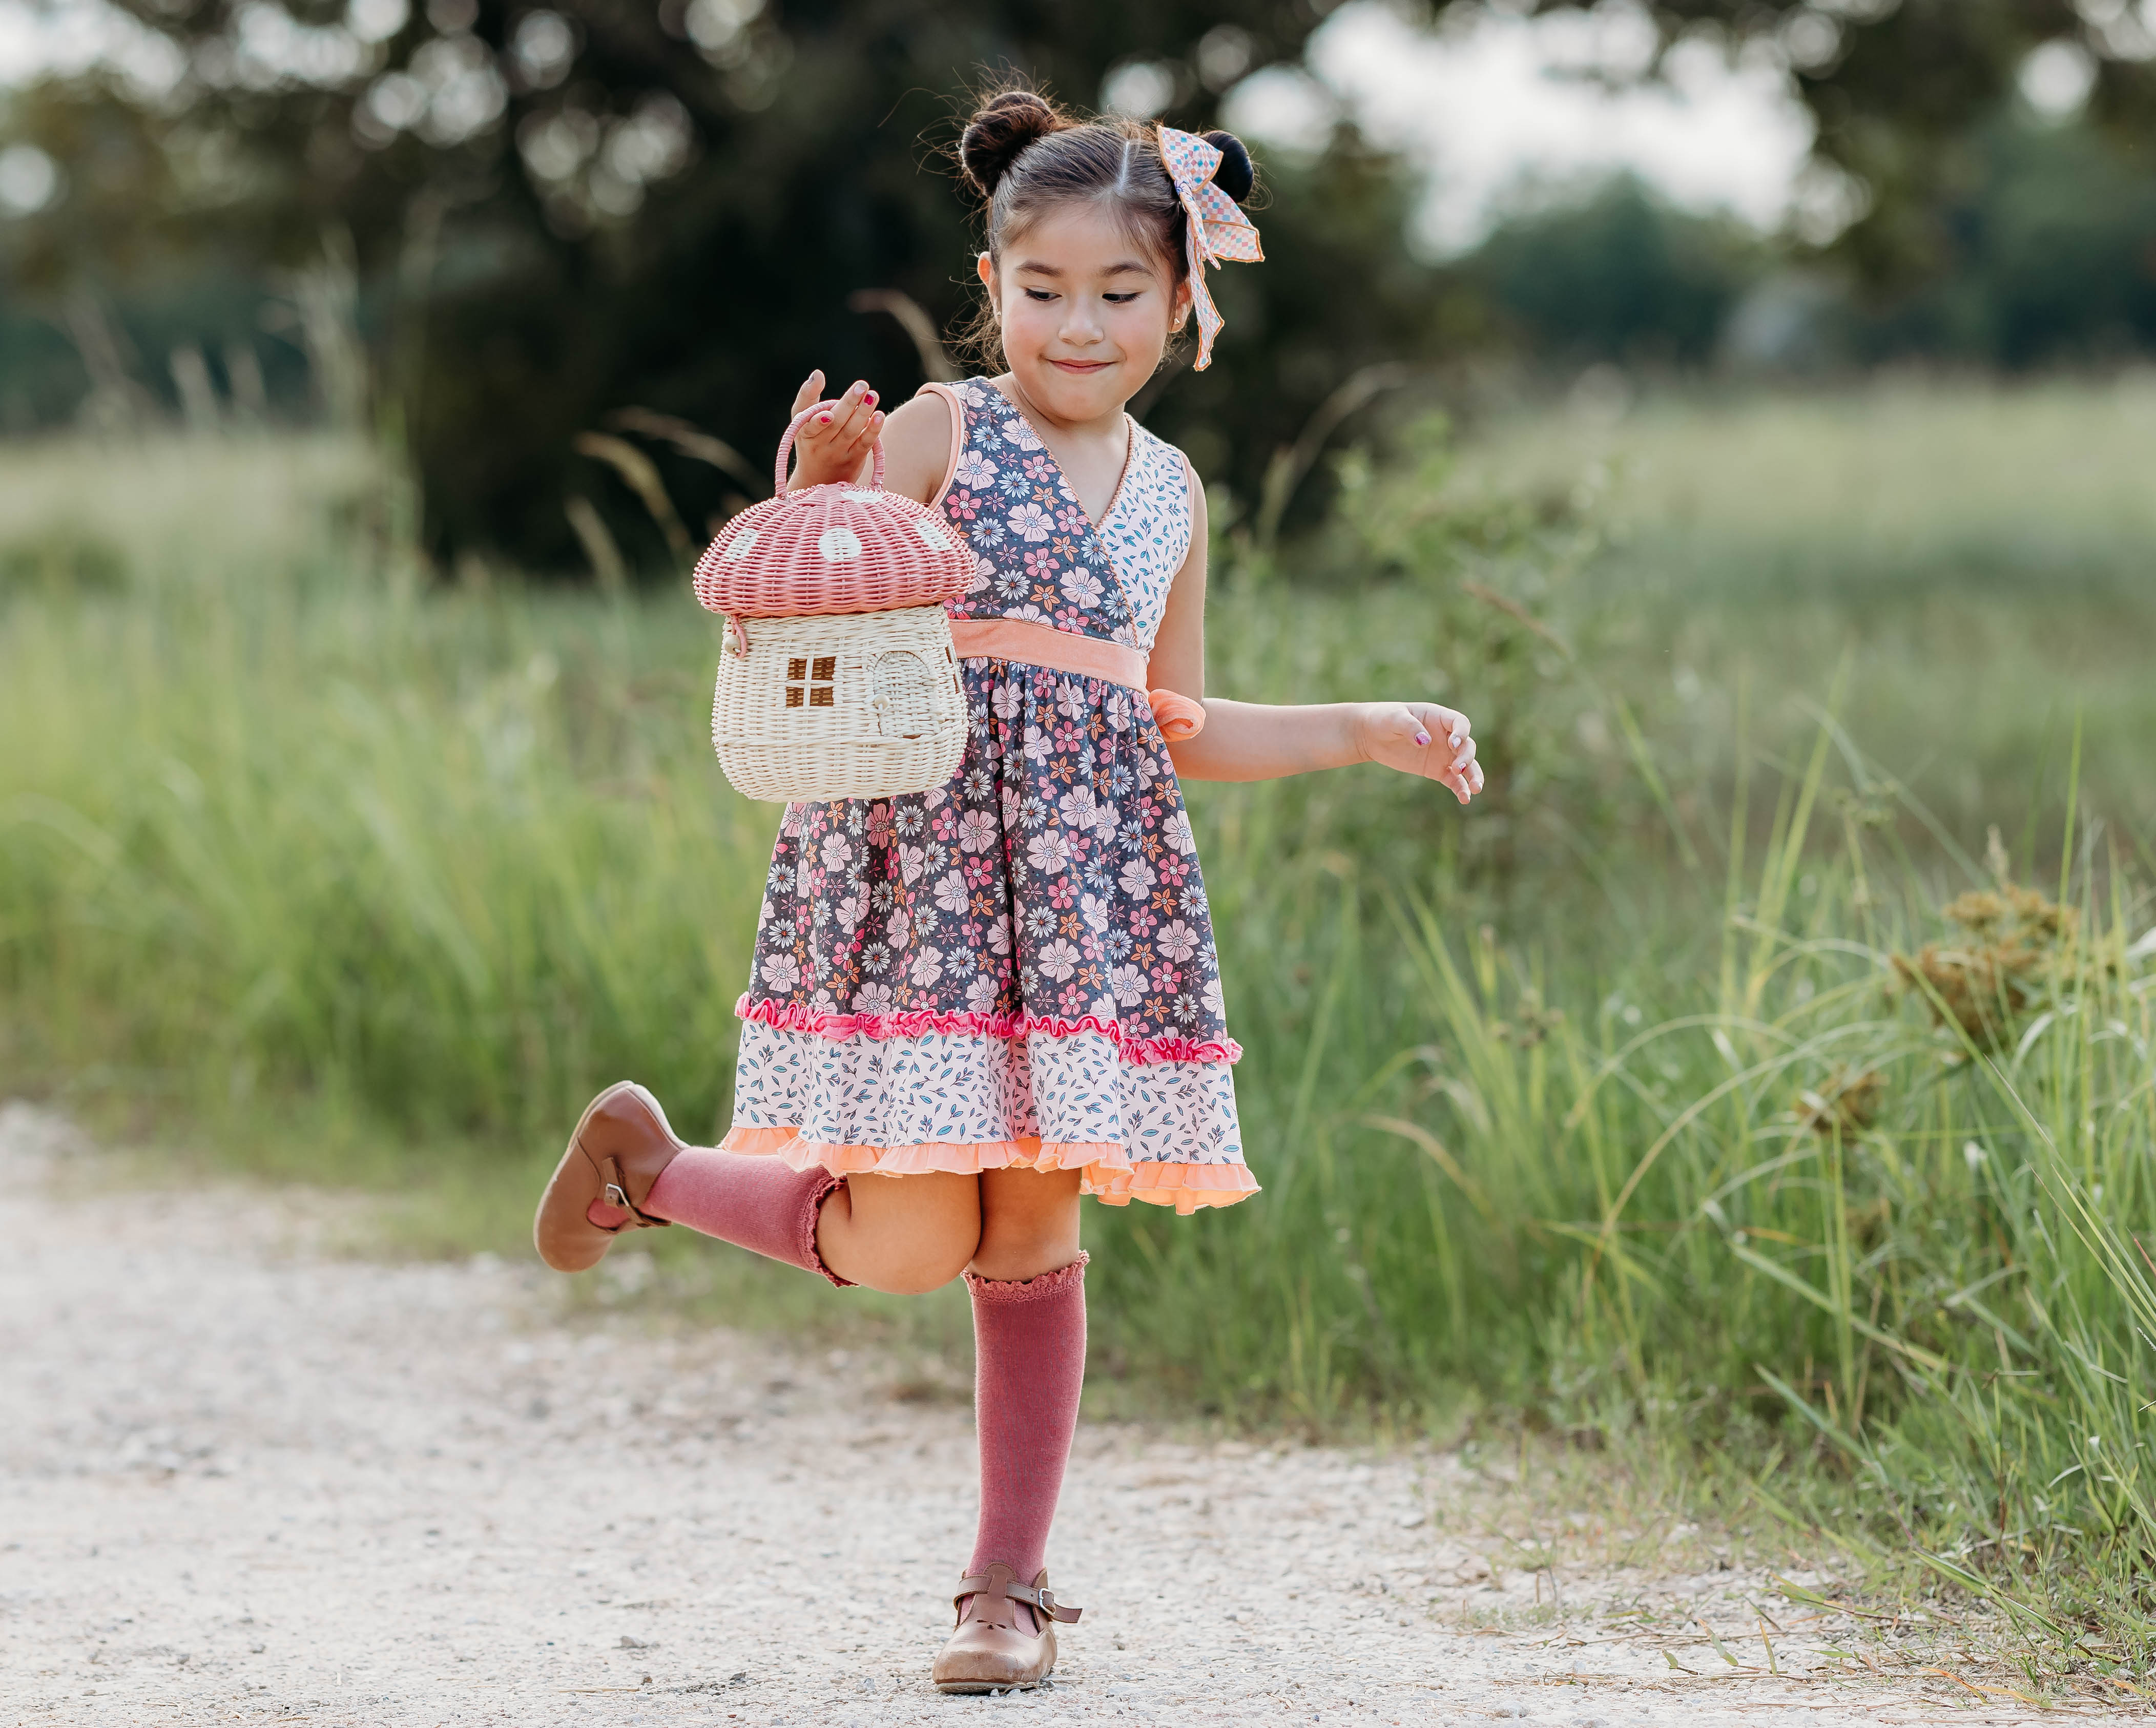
(904, 1234)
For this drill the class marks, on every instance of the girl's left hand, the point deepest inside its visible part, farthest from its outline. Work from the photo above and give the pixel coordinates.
(1421, 738)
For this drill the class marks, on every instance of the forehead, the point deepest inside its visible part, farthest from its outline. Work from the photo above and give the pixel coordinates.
(1090, 237)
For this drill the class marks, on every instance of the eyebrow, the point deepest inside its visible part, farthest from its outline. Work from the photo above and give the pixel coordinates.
(1029, 267)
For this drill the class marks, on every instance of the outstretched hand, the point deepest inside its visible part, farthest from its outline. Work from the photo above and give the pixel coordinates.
(833, 445)
(1421, 738)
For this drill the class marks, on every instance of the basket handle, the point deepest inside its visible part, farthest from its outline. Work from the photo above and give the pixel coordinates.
(786, 449)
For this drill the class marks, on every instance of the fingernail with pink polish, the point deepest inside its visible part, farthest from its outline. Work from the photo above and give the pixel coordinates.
(1422, 737)
(870, 397)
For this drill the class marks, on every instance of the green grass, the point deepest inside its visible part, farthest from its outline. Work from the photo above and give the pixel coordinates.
(1606, 1108)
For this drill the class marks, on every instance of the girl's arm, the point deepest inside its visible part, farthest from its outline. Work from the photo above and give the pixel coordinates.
(1250, 741)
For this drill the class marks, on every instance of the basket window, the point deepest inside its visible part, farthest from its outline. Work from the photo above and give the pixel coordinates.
(812, 685)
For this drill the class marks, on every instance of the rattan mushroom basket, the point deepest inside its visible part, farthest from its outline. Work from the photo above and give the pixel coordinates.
(838, 679)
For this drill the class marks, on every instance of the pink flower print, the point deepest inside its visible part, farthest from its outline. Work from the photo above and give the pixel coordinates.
(790, 824)
(928, 968)
(1061, 892)
(979, 871)
(1059, 960)
(1031, 614)
(1178, 941)
(1128, 985)
(1030, 522)
(850, 910)
(1081, 810)
(1039, 745)
(873, 998)
(837, 852)
(984, 576)
(960, 505)
(1013, 799)
(1069, 740)
(977, 830)
(881, 827)
(1119, 712)
(975, 470)
(999, 937)
(1070, 518)
(946, 825)
(1174, 870)
(1216, 1003)
(1165, 979)
(1095, 911)
(1176, 831)
(980, 996)
(1137, 878)
(1006, 699)
(1037, 469)
(781, 971)
(1085, 587)
(1048, 852)
(912, 860)
(1041, 565)
(1070, 698)
(1072, 1000)
(1142, 922)
(1020, 435)
(898, 931)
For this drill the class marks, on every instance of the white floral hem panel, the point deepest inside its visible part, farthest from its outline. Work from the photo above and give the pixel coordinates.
(1161, 1131)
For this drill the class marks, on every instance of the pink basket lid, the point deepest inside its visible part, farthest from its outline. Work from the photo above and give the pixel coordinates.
(836, 547)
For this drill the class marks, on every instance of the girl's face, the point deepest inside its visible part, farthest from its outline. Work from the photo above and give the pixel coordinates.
(1086, 311)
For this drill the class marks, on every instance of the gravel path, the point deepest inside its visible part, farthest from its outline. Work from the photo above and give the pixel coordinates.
(244, 1482)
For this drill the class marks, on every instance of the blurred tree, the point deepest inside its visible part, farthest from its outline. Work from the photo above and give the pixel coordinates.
(1617, 276)
(563, 211)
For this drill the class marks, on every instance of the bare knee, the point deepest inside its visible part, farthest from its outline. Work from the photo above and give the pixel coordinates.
(902, 1235)
(1029, 1223)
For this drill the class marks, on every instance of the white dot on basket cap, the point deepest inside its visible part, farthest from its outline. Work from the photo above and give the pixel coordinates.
(743, 542)
(862, 497)
(931, 536)
(838, 545)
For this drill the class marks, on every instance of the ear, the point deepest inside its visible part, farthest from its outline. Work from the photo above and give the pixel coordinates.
(1180, 316)
(986, 266)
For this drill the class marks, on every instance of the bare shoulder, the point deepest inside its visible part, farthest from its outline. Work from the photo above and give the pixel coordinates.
(916, 446)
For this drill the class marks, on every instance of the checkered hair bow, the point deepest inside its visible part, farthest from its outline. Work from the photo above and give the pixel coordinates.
(1219, 232)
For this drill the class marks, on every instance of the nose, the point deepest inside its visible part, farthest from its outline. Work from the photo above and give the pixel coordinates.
(1081, 327)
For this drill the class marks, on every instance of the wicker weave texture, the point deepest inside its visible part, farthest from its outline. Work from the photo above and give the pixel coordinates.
(835, 548)
(852, 705)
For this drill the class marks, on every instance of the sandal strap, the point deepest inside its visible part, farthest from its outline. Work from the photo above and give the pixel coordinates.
(1040, 1597)
(614, 1189)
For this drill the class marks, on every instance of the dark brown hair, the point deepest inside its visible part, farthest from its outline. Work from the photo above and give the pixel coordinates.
(1021, 155)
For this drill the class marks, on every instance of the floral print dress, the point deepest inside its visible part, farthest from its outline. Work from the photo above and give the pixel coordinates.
(1016, 969)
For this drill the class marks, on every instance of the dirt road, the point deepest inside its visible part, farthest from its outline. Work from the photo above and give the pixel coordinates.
(241, 1481)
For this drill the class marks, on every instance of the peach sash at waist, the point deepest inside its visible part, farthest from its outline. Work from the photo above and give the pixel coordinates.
(1033, 644)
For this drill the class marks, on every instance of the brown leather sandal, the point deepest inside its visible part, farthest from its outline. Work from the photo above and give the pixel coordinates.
(990, 1650)
(621, 1144)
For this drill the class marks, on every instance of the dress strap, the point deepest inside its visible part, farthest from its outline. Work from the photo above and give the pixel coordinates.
(957, 435)
(1035, 644)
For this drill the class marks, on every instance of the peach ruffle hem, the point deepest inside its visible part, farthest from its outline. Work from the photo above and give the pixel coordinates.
(1110, 1176)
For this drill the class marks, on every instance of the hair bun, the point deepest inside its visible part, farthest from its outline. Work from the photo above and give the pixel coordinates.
(1001, 128)
(1237, 175)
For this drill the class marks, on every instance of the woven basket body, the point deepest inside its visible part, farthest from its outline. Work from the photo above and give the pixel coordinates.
(847, 705)
(838, 679)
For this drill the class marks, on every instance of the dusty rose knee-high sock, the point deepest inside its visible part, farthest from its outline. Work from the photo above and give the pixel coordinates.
(759, 1204)
(1029, 1363)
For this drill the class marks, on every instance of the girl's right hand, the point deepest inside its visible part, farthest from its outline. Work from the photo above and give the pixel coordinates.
(834, 445)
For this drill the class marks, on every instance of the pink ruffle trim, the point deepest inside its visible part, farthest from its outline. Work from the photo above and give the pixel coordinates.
(920, 1023)
(1110, 1176)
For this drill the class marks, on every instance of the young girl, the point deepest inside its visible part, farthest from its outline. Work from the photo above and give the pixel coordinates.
(972, 1006)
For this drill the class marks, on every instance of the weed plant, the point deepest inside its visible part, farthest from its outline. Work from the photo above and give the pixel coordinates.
(1668, 1109)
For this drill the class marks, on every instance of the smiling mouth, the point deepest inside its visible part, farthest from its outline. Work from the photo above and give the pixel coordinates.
(1082, 366)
